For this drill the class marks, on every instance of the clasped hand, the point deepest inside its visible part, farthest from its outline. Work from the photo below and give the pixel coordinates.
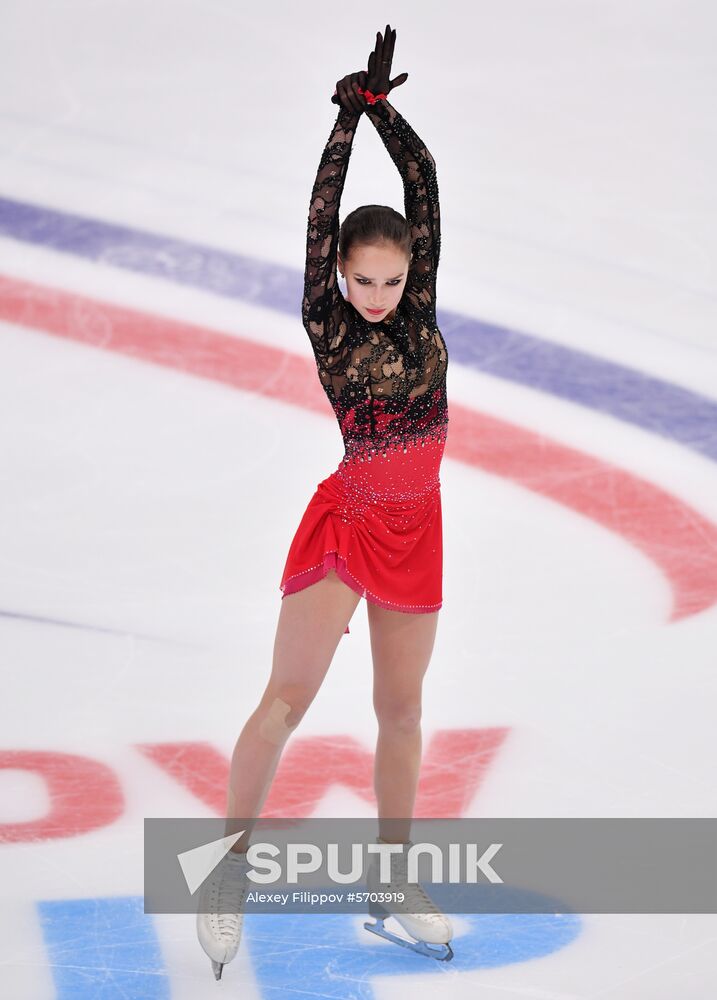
(376, 79)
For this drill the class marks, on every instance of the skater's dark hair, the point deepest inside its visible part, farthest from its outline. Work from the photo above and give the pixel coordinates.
(374, 225)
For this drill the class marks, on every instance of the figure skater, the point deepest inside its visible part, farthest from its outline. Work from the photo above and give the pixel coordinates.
(373, 528)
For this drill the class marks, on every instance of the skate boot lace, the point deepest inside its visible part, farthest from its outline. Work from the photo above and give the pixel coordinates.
(227, 895)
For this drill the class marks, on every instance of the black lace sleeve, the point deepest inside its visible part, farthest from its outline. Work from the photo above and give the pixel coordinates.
(323, 307)
(420, 188)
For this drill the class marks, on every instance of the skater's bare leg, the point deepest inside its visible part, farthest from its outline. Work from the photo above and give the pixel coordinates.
(311, 623)
(401, 648)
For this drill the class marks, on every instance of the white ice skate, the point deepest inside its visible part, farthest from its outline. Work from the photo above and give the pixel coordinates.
(431, 929)
(222, 897)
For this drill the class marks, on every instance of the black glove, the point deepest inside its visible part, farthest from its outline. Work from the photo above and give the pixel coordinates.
(347, 92)
(377, 80)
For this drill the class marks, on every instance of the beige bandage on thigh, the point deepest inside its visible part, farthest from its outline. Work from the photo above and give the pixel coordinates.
(273, 727)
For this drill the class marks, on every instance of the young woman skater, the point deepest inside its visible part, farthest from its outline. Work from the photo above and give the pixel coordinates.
(373, 528)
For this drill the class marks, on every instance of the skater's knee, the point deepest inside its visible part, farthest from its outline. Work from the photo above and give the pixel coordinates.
(283, 712)
(397, 716)
(276, 724)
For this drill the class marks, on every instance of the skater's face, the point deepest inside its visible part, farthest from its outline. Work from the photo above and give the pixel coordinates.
(375, 279)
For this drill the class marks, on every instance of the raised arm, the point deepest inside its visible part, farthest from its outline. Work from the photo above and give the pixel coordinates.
(420, 187)
(321, 304)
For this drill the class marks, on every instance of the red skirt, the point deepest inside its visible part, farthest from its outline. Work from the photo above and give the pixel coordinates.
(378, 524)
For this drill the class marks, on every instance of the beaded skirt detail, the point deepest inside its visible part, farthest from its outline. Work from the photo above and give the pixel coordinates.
(377, 522)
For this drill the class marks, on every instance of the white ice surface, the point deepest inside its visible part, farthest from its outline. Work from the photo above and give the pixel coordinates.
(575, 143)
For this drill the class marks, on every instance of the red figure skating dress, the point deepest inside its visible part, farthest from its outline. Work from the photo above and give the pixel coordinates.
(376, 519)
